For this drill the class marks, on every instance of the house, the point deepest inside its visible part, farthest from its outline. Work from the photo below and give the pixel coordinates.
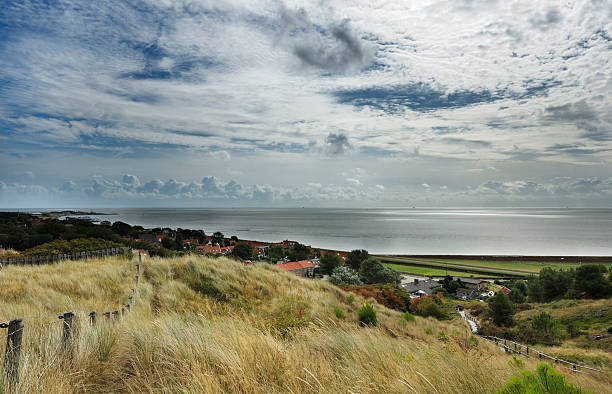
(213, 249)
(303, 268)
(150, 238)
(472, 283)
(505, 290)
(466, 293)
(225, 250)
(420, 287)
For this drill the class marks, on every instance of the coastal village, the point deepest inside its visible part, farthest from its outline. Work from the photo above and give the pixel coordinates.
(415, 286)
(306, 265)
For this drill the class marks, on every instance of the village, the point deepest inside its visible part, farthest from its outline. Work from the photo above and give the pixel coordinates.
(278, 253)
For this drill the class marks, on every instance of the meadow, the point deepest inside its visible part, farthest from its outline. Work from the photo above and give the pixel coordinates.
(215, 325)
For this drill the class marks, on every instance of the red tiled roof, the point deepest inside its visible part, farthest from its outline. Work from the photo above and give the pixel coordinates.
(505, 290)
(296, 265)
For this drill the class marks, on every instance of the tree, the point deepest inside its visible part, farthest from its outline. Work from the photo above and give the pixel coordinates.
(168, 243)
(543, 323)
(217, 237)
(275, 253)
(299, 252)
(534, 289)
(516, 295)
(453, 286)
(179, 240)
(501, 309)
(243, 251)
(355, 258)
(372, 271)
(554, 283)
(121, 228)
(591, 280)
(329, 262)
(344, 276)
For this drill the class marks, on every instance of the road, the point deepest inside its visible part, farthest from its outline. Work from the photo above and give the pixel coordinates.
(454, 265)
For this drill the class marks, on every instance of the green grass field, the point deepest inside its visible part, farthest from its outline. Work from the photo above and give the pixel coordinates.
(527, 266)
(426, 271)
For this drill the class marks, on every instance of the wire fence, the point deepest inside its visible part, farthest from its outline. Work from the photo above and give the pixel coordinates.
(37, 333)
(525, 350)
(55, 258)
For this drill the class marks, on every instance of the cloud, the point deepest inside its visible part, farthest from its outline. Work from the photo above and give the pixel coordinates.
(551, 18)
(335, 48)
(68, 187)
(337, 144)
(131, 180)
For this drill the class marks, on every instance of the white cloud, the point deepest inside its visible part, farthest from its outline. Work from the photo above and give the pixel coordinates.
(251, 90)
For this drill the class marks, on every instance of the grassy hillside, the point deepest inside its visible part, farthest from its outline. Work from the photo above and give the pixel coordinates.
(206, 325)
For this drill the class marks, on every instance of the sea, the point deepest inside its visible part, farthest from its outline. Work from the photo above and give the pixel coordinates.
(473, 231)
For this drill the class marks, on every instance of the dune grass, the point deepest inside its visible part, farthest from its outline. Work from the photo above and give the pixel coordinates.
(214, 325)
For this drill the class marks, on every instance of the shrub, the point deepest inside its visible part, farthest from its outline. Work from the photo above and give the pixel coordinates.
(339, 313)
(501, 309)
(350, 298)
(428, 306)
(427, 330)
(344, 276)
(391, 296)
(408, 316)
(545, 380)
(367, 315)
(372, 271)
(442, 336)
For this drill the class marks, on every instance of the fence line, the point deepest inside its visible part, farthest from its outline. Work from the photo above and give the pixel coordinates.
(16, 328)
(574, 366)
(54, 258)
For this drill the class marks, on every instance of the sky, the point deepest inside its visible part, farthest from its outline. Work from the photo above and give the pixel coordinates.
(195, 103)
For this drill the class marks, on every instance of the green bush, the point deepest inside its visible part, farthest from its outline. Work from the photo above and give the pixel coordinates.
(442, 336)
(545, 380)
(339, 313)
(408, 316)
(367, 315)
(350, 298)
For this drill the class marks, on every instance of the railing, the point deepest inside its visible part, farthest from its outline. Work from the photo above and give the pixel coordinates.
(524, 350)
(51, 259)
(16, 328)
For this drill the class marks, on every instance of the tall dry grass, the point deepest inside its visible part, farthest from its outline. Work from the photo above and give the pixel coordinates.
(205, 325)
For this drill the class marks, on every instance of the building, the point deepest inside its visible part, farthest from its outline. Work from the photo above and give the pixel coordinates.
(472, 283)
(303, 268)
(466, 293)
(505, 290)
(421, 287)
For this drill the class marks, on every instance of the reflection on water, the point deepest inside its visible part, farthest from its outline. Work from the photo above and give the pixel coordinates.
(521, 231)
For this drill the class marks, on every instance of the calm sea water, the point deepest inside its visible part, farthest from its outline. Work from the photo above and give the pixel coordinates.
(521, 231)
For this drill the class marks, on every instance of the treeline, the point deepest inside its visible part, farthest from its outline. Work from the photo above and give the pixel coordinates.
(18, 231)
(73, 246)
(589, 281)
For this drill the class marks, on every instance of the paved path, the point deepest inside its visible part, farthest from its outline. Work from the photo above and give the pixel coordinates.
(472, 324)
(455, 265)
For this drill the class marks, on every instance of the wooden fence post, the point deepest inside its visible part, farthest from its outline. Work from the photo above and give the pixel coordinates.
(92, 318)
(68, 318)
(116, 314)
(13, 350)
(107, 315)
(138, 268)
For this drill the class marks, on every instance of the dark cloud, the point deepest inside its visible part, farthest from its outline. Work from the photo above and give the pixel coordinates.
(335, 48)
(583, 116)
(337, 144)
(466, 142)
